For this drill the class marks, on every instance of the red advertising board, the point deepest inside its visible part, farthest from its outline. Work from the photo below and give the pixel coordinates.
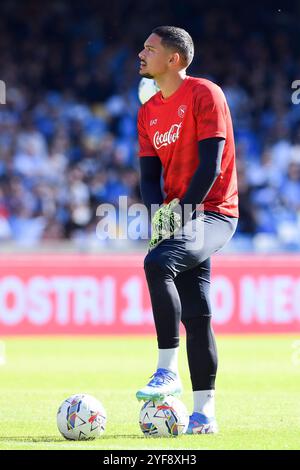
(107, 294)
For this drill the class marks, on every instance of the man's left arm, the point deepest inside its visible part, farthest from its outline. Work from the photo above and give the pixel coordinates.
(170, 217)
(209, 168)
(210, 112)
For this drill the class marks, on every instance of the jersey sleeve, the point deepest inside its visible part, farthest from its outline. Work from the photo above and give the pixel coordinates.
(210, 110)
(146, 148)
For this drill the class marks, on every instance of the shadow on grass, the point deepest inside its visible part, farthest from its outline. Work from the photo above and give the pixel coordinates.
(32, 439)
(61, 439)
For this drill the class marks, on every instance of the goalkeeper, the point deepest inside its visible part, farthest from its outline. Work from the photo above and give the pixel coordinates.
(185, 134)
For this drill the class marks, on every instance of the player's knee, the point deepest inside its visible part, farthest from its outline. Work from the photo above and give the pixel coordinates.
(201, 308)
(196, 323)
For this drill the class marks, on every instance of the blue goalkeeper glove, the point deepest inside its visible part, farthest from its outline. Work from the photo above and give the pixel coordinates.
(165, 222)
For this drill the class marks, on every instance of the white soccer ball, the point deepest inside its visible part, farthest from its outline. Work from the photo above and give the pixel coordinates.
(166, 418)
(81, 417)
(147, 88)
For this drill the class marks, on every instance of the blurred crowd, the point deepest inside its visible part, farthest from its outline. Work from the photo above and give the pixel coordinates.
(68, 139)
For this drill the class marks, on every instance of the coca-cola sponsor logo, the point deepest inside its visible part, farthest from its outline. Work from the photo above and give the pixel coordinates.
(169, 137)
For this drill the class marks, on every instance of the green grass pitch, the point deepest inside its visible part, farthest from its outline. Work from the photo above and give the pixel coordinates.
(258, 391)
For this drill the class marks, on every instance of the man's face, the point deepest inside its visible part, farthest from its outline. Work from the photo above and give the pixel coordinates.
(154, 58)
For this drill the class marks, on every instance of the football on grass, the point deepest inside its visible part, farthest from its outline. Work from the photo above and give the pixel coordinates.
(81, 417)
(166, 418)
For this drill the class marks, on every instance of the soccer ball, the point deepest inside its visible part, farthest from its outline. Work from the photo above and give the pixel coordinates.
(147, 88)
(166, 418)
(81, 417)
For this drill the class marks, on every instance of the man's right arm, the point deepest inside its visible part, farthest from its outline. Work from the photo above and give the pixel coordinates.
(150, 168)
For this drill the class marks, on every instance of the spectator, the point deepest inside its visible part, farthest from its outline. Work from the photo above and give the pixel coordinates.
(68, 129)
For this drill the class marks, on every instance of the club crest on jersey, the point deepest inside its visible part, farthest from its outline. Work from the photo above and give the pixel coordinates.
(169, 137)
(182, 110)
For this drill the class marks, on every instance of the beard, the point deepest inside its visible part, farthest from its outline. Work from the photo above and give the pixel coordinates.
(146, 75)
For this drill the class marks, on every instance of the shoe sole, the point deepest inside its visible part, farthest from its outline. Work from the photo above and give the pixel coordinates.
(156, 397)
(204, 429)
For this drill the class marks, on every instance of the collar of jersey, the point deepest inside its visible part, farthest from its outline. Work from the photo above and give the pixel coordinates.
(176, 93)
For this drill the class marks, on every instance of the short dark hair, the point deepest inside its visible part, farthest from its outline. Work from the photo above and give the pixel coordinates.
(177, 39)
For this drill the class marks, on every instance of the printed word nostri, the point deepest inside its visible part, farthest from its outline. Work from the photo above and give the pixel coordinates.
(162, 140)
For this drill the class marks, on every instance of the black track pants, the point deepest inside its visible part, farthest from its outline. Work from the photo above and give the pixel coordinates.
(178, 277)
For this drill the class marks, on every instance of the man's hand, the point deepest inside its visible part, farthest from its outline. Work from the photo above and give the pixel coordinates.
(166, 221)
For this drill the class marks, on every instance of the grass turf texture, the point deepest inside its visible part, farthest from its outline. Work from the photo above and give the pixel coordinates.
(258, 404)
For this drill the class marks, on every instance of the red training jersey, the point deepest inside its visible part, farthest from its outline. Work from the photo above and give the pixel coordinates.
(171, 128)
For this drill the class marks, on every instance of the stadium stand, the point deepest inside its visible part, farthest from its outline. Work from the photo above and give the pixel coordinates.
(68, 138)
